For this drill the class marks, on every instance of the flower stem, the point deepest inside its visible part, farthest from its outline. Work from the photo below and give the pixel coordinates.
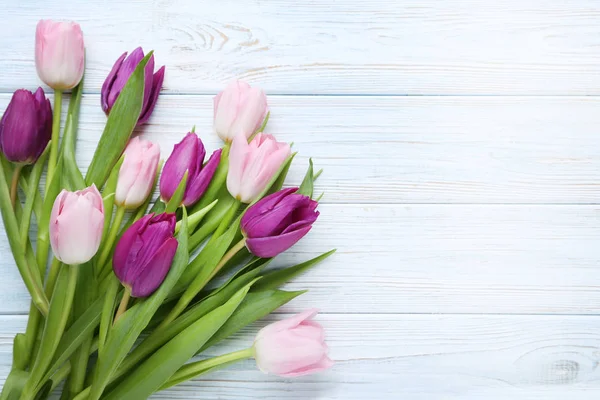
(193, 370)
(14, 185)
(56, 114)
(226, 221)
(124, 303)
(198, 284)
(110, 240)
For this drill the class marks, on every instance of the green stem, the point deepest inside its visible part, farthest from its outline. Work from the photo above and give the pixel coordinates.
(56, 114)
(58, 315)
(108, 310)
(198, 284)
(193, 370)
(52, 276)
(14, 185)
(112, 236)
(124, 303)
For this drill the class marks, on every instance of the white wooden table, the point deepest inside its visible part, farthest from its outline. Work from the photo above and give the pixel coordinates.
(461, 148)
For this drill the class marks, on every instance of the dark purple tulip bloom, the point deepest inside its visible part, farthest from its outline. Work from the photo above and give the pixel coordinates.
(277, 222)
(26, 127)
(120, 73)
(145, 252)
(188, 155)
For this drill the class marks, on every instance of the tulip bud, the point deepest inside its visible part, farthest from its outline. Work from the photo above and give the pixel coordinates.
(137, 173)
(239, 109)
(59, 53)
(76, 225)
(145, 252)
(277, 222)
(26, 126)
(120, 73)
(188, 155)
(292, 347)
(252, 165)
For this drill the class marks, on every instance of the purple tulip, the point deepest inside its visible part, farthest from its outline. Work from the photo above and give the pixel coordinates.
(120, 73)
(277, 222)
(145, 252)
(26, 127)
(188, 155)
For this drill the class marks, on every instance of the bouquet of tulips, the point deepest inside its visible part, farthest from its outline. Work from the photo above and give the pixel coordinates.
(135, 289)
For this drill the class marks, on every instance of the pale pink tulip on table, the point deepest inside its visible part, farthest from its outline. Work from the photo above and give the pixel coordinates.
(76, 225)
(59, 53)
(252, 165)
(137, 173)
(292, 347)
(239, 109)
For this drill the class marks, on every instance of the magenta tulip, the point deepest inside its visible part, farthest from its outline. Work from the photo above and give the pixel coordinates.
(277, 222)
(76, 225)
(292, 347)
(145, 252)
(252, 165)
(59, 53)
(120, 73)
(26, 126)
(239, 109)
(188, 155)
(137, 173)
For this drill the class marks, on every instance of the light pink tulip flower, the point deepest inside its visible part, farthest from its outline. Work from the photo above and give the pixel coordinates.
(252, 165)
(239, 109)
(59, 53)
(137, 173)
(76, 225)
(292, 347)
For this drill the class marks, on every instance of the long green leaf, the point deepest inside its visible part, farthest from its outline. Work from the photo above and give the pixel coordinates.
(119, 126)
(255, 306)
(32, 193)
(127, 329)
(307, 186)
(175, 201)
(275, 279)
(155, 371)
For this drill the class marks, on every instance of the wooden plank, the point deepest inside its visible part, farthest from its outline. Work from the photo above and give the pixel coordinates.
(411, 149)
(414, 357)
(371, 47)
(433, 259)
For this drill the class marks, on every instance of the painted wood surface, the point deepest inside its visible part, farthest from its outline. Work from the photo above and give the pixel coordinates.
(461, 153)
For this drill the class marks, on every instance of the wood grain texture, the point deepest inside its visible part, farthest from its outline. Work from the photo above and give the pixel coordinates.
(410, 149)
(353, 46)
(414, 357)
(434, 259)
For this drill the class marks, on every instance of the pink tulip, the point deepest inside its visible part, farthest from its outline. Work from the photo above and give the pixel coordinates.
(137, 173)
(59, 53)
(76, 225)
(292, 347)
(252, 165)
(239, 109)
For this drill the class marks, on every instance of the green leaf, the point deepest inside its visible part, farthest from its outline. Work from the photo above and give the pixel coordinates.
(155, 371)
(177, 197)
(74, 336)
(275, 279)
(32, 194)
(218, 297)
(109, 198)
(127, 329)
(190, 371)
(255, 306)
(20, 351)
(306, 188)
(212, 220)
(60, 309)
(108, 309)
(119, 126)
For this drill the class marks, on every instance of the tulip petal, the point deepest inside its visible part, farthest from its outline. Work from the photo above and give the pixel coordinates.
(238, 158)
(108, 83)
(157, 82)
(276, 220)
(287, 323)
(125, 247)
(181, 160)
(127, 68)
(155, 271)
(303, 217)
(196, 188)
(323, 364)
(274, 245)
